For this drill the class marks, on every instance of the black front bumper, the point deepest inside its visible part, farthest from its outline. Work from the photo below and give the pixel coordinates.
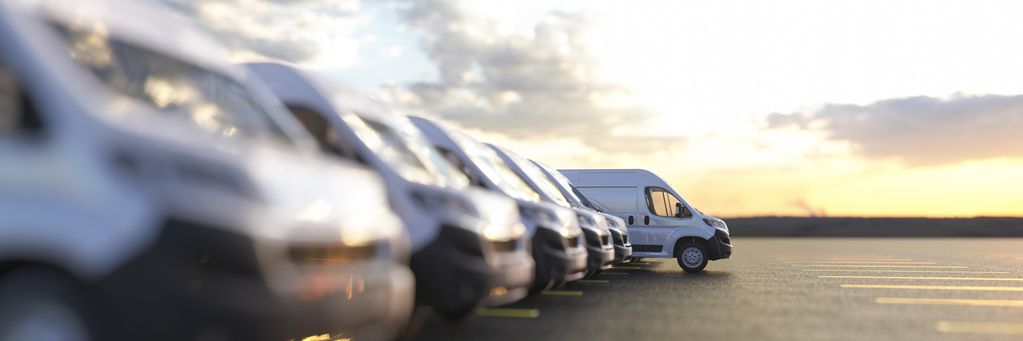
(556, 259)
(623, 249)
(601, 254)
(452, 274)
(198, 281)
(720, 245)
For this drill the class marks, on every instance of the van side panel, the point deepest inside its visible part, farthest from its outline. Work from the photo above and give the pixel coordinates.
(614, 178)
(618, 200)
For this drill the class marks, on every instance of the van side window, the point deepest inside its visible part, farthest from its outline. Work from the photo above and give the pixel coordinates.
(661, 202)
(313, 122)
(18, 116)
(321, 130)
(457, 163)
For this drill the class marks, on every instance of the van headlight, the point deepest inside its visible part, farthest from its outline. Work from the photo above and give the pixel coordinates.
(545, 218)
(586, 221)
(716, 224)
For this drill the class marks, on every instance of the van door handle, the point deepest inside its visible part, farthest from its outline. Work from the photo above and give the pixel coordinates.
(631, 220)
(646, 220)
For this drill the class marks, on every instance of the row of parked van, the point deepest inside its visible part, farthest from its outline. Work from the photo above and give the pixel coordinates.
(151, 189)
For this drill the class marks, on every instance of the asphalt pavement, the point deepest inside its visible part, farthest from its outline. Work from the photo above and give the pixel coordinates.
(780, 289)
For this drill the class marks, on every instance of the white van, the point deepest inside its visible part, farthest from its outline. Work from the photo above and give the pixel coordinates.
(559, 244)
(468, 244)
(661, 222)
(150, 190)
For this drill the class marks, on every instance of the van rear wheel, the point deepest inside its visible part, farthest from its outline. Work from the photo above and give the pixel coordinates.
(692, 257)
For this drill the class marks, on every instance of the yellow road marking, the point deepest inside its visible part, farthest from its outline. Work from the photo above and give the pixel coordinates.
(931, 287)
(931, 278)
(910, 271)
(884, 266)
(593, 281)
(573, 293)
(949, 301)
(508, 312)
(871, 259)
(979, 327)
(880, 262)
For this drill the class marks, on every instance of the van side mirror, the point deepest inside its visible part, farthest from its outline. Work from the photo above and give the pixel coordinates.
(681, 211)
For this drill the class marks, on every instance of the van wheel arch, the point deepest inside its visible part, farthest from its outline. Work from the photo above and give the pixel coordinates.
(682, 240)
(56, 285)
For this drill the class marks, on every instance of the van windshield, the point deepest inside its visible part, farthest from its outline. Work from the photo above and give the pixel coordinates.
(541, 181)
(566, 187)
(405, 150)
(493, 168)
(212, 102)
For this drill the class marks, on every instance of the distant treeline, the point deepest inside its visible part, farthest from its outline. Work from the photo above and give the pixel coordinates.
(875, 227)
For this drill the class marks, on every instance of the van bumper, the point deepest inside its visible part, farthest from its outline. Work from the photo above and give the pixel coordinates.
(558, 259)
(623, 249)
(720, 245)
(601, 253)
(197, 281)
(512, 275)
(452, 273)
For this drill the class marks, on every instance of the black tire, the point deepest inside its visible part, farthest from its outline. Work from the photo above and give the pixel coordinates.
(691, 257)
(39, 297)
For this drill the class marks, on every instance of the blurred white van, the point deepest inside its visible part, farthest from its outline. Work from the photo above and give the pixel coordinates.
(560, 247)
(548, 190)
(619, 232)
(662, 224)
(151, 190)
(468, 244)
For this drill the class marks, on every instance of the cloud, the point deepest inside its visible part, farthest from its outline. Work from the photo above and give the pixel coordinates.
(922, 130)
(319, 33)
(541, 83)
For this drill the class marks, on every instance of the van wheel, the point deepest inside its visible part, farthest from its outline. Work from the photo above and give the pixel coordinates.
(692, 257)
(42, 305)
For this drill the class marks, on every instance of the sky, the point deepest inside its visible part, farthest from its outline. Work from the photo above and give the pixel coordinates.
(748, 108)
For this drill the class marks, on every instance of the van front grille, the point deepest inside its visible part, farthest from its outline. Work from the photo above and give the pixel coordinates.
(605, 240)
(504, 246)
(572, 242)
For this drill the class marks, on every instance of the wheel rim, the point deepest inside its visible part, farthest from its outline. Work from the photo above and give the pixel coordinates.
(46, 321)
(692, 257)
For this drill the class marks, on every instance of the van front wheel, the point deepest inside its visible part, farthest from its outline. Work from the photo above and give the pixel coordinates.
(692, 257)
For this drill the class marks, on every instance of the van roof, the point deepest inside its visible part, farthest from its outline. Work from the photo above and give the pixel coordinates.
(293, 85)
(580, 178)
(148, 25)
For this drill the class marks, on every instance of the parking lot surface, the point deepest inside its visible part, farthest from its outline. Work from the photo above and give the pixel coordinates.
(780, 289)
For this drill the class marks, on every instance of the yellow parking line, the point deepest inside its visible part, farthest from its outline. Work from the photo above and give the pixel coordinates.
(871, 259)
(573, 293)
(884, 266)
(949, 301)
(979, 327)
(931, 287)
(508, 312)
(880, 262)
(931, 278)
(593, 281)
(907, 271)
